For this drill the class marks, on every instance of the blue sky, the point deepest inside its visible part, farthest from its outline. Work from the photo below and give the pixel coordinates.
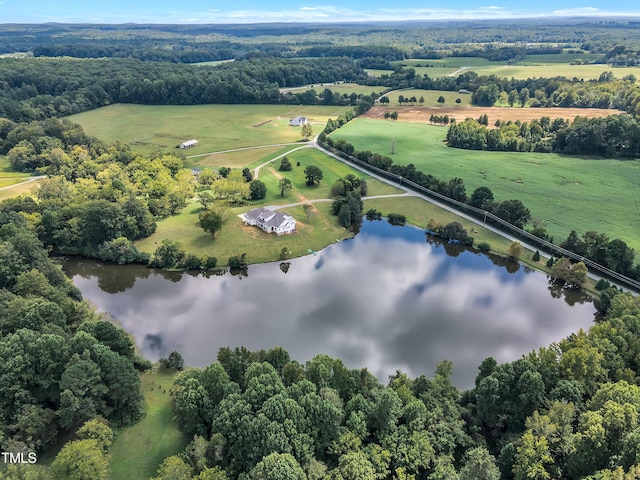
(248, 11)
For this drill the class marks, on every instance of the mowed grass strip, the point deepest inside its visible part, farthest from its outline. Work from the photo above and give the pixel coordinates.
(138, 450)
(149, 128)
(566, 192)
(419, 212)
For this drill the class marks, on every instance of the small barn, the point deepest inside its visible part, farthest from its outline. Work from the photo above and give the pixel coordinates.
(270, 221)
(298, 121)
(189, 143)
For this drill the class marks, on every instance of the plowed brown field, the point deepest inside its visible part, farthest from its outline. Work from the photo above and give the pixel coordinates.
(422, 114)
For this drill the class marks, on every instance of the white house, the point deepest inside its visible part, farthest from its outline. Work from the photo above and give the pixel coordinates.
(270, 221)
(189, 143)
(298, 121)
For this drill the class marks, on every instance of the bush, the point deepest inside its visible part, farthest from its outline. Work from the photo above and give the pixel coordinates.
(396, 219)
(536, 256)
(207, 262)
(373, 214)
(238, 262)
(191, 262)
(484, 247)
(550, 262)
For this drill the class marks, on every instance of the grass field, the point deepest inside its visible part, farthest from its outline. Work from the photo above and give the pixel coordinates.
(339, 88)
(149, 128)
(430, 98)
(139, 450)
(315, 232)
(565, 192)
(547, 65)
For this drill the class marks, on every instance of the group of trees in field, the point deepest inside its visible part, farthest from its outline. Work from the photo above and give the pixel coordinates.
(615, 136)
(34, 89)
(347, 193)
(570, 410)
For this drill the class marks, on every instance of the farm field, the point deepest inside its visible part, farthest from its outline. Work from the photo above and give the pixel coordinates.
(149, 128)
(564, 192)
(584, 72)
(543, 65)
(338, 88)
(138, 450)
(419, 114)
(430, 98)
(315, 232)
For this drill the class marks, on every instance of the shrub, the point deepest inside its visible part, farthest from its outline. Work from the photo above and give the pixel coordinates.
(484, 247)
(396, 219)
(536, 256)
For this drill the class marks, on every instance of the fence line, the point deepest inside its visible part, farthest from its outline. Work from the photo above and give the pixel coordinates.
(485, 215)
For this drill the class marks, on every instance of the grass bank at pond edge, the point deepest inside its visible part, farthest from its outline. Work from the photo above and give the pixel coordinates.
(139, 449)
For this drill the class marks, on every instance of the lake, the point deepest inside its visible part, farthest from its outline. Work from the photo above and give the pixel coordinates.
(389, 299)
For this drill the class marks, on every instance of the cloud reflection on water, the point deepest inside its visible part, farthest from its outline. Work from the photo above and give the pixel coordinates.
(380, 303)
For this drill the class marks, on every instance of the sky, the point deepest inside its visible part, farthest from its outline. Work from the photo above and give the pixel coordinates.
(254, 11)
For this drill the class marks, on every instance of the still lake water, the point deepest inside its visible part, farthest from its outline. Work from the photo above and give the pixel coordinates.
(386, 300)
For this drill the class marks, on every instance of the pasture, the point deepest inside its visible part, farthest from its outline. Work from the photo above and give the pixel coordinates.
(430, 98)
(150, 128)
(138, 450)
(337, 88)
(565, 192)
(532, 66)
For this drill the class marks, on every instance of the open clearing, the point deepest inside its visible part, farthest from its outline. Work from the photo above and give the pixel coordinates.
(421, 114)
(151, 128)
(138, 450)
(430, 98)
(337, 88)
(565, 192)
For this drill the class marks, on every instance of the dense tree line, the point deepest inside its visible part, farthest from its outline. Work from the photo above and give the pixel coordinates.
(570, 410)
(605, 92)
(34, 89)
(513, 211)
(616, 136)
(60, 365)
(595, 35)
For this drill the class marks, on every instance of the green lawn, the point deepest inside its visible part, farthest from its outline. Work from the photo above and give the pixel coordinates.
(430, 98)
(315, 232)
(566, 192)
(149, 128)
(139, 449)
